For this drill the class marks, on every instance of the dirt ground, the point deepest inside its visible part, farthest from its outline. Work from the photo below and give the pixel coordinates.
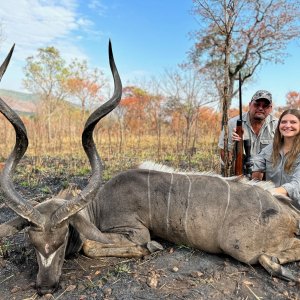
(177, 272)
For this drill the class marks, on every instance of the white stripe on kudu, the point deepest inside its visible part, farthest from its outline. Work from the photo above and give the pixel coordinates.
(168, 204)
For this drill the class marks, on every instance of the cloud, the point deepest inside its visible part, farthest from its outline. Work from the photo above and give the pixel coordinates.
(98, 7)
(33, 24)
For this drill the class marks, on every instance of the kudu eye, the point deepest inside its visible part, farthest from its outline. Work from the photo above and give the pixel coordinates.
(57, 226)
(54, 228)
(33, 227)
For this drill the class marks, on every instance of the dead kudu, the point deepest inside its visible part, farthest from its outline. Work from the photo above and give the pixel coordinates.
(218, 215)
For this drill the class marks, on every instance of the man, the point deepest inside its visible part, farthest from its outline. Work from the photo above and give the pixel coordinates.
(258, 125)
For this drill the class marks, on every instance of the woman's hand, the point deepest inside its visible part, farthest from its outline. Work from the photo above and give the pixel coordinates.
(279, 190)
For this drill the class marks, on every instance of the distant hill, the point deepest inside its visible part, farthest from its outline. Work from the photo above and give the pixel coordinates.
(26, 103)
(20, 102)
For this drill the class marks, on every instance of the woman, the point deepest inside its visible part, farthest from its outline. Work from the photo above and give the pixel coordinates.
(280, 161)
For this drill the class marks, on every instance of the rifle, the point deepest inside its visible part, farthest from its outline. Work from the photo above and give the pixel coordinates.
(247, 160)
(238, 170)
(243, 164)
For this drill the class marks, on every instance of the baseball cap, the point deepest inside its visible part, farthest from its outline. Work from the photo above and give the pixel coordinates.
(262, 94)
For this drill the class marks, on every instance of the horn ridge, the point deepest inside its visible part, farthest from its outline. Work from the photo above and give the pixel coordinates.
(89, 192)
(6, 62)
(13, 199)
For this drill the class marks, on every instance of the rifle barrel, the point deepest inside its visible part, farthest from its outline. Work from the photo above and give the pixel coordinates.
(239, 130)
(240, 95)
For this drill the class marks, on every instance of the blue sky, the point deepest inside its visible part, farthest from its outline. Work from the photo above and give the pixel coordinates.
(148, 36)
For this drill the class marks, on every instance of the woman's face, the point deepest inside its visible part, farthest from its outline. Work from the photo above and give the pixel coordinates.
(289, 126)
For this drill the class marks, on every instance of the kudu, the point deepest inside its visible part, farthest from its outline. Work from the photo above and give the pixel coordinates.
(56, 226)
(219, 215)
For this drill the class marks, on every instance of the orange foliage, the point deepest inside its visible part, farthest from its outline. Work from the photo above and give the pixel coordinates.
(210, 121)
(233, 112)
(177, 121)
(293, 100)
(134, 104)
(76, 85)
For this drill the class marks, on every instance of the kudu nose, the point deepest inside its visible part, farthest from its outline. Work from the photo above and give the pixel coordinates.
(44, 289)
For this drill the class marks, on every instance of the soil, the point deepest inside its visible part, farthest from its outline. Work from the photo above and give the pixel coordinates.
(177, 272)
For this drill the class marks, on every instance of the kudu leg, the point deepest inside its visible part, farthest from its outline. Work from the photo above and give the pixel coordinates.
(139, 245)
(291, 254)
(273, 263)
(95, 249)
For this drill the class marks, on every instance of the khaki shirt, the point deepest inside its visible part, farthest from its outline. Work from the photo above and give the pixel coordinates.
(289, 181)
(258, 142)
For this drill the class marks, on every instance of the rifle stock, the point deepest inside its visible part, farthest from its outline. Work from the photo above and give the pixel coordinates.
(239, 149)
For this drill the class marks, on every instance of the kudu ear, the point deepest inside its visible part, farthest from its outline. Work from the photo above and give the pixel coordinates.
(15, 225)
(69, 193)
(12, 226)
(6, 62)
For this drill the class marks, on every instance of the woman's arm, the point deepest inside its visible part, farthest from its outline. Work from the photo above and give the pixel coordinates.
(292, 188)
(259, 164)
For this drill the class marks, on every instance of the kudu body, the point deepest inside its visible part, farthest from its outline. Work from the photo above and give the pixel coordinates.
(218, 215)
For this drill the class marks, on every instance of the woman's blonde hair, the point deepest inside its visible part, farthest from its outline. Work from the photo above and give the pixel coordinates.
(278, 143)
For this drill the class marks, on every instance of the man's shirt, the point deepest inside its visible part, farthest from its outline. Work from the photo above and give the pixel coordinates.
(258, 142)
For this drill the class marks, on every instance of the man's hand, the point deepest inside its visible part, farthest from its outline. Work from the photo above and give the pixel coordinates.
(235, 137)
(257, 175)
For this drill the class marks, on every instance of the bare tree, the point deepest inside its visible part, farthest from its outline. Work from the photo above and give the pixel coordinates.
(238, 36)
(249, 32)
(155, 110)
(184, 90)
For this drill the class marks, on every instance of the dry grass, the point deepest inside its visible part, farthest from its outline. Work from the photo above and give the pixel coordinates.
(203, 158)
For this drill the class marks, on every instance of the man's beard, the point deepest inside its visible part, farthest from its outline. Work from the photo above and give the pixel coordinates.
(259, 118)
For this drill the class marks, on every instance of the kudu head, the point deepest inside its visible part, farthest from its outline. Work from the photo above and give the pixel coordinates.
(49, 221)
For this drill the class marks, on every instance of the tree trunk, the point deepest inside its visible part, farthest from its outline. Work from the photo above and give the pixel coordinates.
(226, 96)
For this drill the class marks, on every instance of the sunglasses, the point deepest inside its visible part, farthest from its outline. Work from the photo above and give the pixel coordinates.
(261, 104)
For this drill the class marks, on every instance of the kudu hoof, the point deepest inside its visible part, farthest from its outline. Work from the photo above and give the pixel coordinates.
(153, 246)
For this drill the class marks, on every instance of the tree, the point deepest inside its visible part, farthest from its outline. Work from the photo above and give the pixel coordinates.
(250, 32)
(183, 89)
(238, 36)
(84, 84)
(45, 75)
(120, 112)
(155, 110)
(293, 100)
(135, 100)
